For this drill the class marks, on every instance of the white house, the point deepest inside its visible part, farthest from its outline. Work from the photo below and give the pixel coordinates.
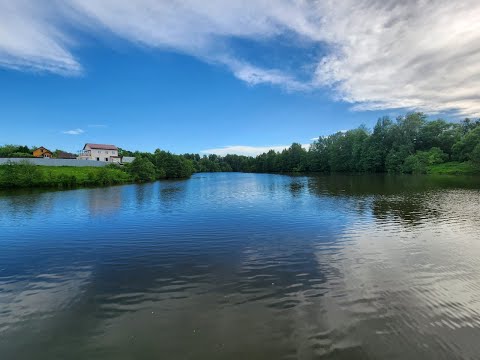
(100, 152)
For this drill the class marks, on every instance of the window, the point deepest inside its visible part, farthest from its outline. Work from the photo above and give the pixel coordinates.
(106, 159)
(98, 159)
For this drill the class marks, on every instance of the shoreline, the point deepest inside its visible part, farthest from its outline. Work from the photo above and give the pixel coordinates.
(71, 178)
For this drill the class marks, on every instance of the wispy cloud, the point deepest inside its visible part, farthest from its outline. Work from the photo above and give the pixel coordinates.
(246, 150)
(377, 54)
(102, 126)
(255, 75)
(32, 38)
(74, 132)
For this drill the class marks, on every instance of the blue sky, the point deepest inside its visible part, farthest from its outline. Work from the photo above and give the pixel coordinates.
(227, 77)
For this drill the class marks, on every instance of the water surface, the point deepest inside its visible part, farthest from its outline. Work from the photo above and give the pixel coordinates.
(244, 266)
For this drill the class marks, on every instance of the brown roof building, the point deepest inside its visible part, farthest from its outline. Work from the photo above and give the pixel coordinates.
(42, 152)
(65, 155)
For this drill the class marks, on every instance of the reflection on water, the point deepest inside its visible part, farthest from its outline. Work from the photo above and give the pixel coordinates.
(243, 266)
(104, 201)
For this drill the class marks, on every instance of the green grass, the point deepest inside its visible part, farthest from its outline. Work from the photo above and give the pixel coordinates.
(454, 168)
(31, 176)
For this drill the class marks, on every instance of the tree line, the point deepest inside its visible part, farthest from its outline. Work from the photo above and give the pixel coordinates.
(157, 165)
(16, 151)
(408, 144)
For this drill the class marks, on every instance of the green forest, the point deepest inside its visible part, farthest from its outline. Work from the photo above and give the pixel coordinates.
(409, 144)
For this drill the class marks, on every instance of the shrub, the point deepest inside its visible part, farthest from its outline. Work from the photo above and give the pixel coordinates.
(418, 163)
(142, 169)
(475, 156)
(414, 165)
(23, 174)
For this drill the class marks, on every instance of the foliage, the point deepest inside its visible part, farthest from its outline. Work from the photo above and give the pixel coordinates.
(20, 155)
(475, 155)
(453, 168)
(172, 166)
(159, 165)
(466, 144)
(15, 151)
(410, 144)
(418, 163)
(210, 163)
(22, 175)
(123, 152)
(142, 169)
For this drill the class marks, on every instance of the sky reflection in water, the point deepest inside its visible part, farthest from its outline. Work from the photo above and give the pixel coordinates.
(243, 266)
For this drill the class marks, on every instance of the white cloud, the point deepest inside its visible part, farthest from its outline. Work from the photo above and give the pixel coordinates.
(31, 38)
(74, 132)
(412, 54)
(247, 150)
(378, 54)
(254, 75)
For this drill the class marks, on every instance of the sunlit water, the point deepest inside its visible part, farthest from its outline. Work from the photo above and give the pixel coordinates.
(243, 266)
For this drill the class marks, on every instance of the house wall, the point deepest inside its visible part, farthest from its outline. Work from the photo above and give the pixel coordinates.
(55, 162)
(101, 154)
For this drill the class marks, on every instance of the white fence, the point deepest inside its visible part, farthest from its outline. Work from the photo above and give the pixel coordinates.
(55, 162)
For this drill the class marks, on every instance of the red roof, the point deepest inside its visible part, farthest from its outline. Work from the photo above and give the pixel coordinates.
(101, 147)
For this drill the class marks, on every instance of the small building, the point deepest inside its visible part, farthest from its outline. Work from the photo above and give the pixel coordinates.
(42, 152)
(65, 155)
(100, 152)
(128, 159)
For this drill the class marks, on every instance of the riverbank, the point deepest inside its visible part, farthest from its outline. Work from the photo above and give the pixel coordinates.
(31, 176)
(454, 168)
(24, 176)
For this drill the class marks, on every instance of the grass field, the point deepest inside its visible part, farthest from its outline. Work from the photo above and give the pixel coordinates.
(27, 175)
(454, 168)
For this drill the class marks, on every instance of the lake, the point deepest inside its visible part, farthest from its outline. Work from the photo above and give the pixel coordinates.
(243, 266)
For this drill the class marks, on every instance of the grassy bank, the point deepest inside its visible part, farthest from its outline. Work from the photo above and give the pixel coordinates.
(454, 168)
(27, 176)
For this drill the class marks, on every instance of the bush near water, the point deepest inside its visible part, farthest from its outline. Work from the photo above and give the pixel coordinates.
(25, 175)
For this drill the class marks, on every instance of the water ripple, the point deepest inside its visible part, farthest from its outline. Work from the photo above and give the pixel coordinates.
(243, 266)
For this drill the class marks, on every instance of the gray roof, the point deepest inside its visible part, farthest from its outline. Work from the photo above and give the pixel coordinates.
(128, 159)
